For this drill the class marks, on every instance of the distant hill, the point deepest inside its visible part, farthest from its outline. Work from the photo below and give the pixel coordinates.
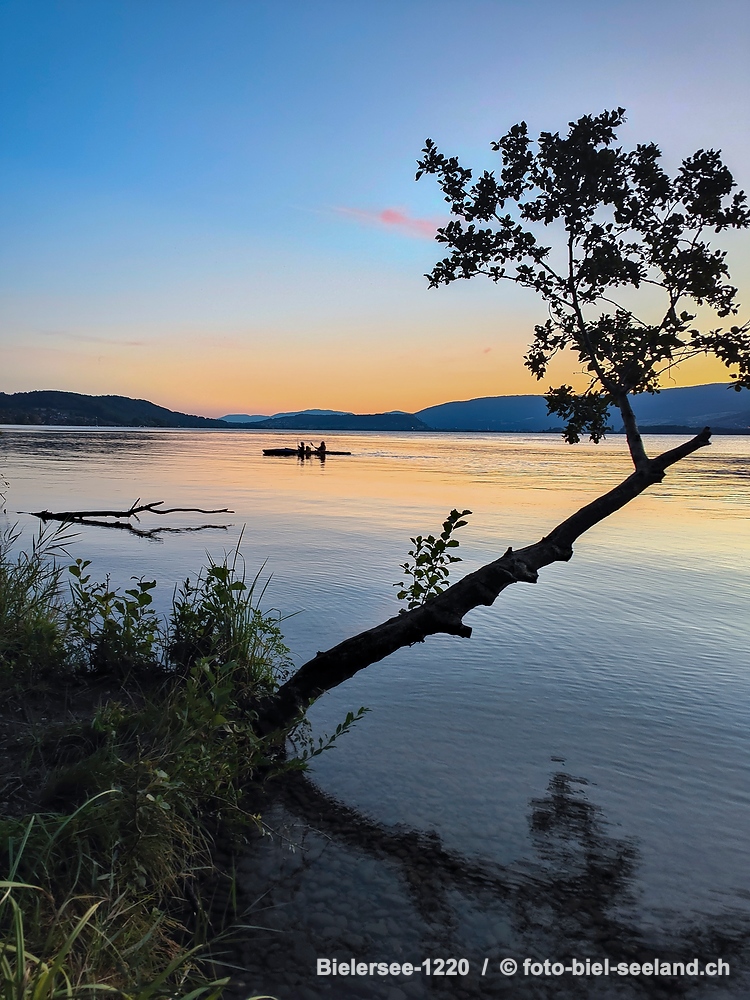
(716, 405)
(247, 418)
(490, 413)
(243, 418)
(345, 422)
(73, 408)
(680, 409)
(53, 407)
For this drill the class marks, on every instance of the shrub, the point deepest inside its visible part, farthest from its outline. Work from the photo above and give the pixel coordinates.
(109, 887)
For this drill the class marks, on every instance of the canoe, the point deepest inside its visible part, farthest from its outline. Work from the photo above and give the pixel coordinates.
(286, 452)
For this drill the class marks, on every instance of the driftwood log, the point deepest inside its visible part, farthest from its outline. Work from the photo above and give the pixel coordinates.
(445, 613)
(94, 517)
(134, 511)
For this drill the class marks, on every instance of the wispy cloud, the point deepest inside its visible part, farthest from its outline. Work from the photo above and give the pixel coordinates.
(394, 218)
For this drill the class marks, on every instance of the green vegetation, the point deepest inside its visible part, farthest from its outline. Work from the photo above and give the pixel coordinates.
(108, 840)
(30, 614)
(427, 572)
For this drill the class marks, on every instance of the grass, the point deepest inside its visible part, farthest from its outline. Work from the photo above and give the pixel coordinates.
(30, 612)
(109, 855)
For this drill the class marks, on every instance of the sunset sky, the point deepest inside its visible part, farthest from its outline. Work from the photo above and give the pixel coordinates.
(212, 204)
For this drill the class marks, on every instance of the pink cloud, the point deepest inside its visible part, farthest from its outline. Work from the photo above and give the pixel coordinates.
(395, 218)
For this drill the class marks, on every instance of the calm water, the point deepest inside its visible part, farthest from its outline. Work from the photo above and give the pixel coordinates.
(626, 668)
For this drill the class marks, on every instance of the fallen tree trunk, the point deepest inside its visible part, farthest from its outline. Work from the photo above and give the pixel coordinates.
(445, 612)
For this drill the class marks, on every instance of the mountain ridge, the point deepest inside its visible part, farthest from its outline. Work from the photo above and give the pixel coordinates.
(674, 410)
(254, 418)
(57, 407)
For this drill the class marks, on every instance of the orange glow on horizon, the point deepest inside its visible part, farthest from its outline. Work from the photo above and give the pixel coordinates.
(212, 380)
(389, 387)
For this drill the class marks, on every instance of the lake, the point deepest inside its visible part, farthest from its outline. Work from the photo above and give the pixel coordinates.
(571, 780)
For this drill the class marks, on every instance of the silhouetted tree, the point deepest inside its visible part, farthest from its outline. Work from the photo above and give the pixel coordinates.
(620, 225)
(620, 230)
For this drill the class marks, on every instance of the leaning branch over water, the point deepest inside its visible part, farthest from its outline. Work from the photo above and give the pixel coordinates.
(445, 613)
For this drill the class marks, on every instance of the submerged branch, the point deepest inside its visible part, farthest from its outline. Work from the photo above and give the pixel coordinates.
(445, 613)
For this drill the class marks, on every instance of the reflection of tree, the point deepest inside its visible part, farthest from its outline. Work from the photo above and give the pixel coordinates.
(588, 865)
(575, 897)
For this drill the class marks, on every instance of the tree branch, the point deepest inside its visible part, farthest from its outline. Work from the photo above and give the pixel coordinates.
(445, 613)
(134, 511)
(583, 329)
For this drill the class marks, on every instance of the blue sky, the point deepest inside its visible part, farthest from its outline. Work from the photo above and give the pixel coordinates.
(212, 204)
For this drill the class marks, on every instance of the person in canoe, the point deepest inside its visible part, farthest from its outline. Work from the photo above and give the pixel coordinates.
(301, 449)
(322, 448)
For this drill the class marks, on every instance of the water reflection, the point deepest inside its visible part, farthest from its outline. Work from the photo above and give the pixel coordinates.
(152, 533)
(56, 442)
(355, 888)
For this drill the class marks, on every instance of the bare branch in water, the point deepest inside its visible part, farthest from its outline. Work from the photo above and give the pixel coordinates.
(134, 511)
(91, 518)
